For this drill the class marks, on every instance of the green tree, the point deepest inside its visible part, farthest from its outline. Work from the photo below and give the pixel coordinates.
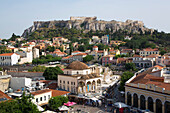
(162, 52)
(23, 105)
(88, 58)
(56, 102)
(38, 69)
(130, 66)
(51, 73)
(14, 37)
(125, 77)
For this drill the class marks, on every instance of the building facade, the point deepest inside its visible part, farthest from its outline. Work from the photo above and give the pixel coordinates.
(8, 59)
(149, 89)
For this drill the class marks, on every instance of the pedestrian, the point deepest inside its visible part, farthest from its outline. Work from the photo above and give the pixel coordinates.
(105, 107)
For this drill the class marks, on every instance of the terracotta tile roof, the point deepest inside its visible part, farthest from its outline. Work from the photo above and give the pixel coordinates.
(121, 59)
(100, 51)
(4, 96)
(57, 50)
(75, 51)
(40, 92)
(150, 49)
(6, 54)
(67, 57)
(46, 81)
(160, 84)
(146, 78)
(159, 67)
(52, 86)
(58, 93)
(95, 46)
(80, 54)
(136, 55)
(77, 65)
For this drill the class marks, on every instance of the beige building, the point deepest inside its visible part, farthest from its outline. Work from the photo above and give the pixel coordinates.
(79, 78)
(149, 89)
(148, 51)
(4, 81)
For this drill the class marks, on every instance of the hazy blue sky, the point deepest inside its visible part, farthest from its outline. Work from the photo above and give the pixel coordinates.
(17, 15)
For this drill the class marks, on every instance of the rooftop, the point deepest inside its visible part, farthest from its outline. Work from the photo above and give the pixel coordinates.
(4, 97)
(40, 92)
(6, 54)
(146, 77)
(77, 65)
(58, 93)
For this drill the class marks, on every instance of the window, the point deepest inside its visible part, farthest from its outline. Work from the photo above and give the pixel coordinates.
(77, 72)
(74, 83)
(36, 99)
(44, 98)
(64, 82)
(48, 96)
(60, 81)
(71, 83)
(40, 98)
(68, 82)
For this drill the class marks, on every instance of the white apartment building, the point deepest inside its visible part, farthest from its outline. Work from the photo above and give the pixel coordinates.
(36, 53)
(26, 56)
(41, 97)
(8, 59)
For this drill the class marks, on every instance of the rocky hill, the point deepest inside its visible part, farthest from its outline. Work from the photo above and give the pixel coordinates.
(90, 23)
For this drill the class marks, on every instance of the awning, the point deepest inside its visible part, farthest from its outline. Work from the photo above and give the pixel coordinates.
(120, 105)
(63, 108)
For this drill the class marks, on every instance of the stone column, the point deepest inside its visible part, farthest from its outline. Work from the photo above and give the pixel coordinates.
(138, 102)
(125, 98)
(163, 108)
(132, 100)
(95, 86)
(154, 107)
(146, 104)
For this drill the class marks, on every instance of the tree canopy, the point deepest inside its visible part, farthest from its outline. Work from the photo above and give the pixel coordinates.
(88, 58)
(23, 105)
(125, 77)
(45, 59)
(38, 69)
(56, 102)
(130, 66)
(51, 73)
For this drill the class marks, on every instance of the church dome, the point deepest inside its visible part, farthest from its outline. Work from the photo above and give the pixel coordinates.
(77, 65)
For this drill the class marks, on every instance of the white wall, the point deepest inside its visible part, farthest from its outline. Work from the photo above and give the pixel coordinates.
(19, 82)
(75, 72)
(46, 95)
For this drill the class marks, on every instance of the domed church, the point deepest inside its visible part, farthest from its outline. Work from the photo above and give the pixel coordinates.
(78, 78)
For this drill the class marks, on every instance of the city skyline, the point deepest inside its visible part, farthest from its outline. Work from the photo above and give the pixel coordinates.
(18, 15)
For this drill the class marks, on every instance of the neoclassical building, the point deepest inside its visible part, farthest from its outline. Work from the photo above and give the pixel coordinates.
(149, 89)
(79, 78)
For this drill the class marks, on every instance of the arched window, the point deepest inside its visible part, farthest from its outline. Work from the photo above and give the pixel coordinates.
(142, 102)
(150, 104)
(158, 106)
(129, 98)
(135, 100)
(167, 107)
